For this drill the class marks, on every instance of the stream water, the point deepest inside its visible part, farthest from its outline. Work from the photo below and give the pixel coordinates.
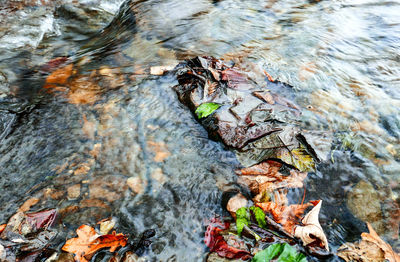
(86, 147)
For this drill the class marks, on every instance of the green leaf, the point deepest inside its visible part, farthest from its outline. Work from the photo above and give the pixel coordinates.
(242, 219)
(281, 253)
(206, 109)
(260, 216)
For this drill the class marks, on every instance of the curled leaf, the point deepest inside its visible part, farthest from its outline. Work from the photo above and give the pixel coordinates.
(312, 230)
(89, 242)
(370, 248)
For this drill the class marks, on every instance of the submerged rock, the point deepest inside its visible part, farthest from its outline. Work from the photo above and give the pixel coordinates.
(363, 202)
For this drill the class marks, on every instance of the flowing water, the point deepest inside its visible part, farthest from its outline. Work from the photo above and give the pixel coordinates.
(84, 147)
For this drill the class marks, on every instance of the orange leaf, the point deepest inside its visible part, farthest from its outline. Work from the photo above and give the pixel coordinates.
(2, 227)
(287, 216)
(60, 76)
(89, 242)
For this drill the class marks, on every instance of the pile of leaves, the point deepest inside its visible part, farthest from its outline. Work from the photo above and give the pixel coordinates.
(250, 119)
(31, 237)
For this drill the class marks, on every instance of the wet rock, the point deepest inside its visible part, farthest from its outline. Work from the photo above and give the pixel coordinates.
(363, 202)
(74, 191)
(136, 184)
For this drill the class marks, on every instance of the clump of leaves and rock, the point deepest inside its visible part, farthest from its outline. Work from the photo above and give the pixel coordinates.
(262, 128)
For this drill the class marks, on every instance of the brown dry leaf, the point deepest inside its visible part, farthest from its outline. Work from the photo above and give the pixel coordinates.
(287, 216)
(264, 96)
(370, 248)
(266, 167)
(312, 230)
(28, 204)
(236, 202)
(265, 177)
(89, 242)
(160, 149)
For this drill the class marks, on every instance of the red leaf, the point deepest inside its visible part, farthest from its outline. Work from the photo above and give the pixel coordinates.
(217, 243)
(42, 219)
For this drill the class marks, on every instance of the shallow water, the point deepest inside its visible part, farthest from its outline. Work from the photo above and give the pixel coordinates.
(341, 57)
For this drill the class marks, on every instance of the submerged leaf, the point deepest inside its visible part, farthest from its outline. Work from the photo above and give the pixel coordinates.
(279, 252)
(298, 158)
(89, 242)
(206, 109)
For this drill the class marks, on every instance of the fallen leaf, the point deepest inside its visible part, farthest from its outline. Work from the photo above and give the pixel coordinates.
(106, 225)
(265, 96)
(217, 243)
(265, 177)
(279, 252)
(206, 109)
(298, 158)
(60, 76)
(28, 204)
(288, 216)
(266, 167)
(89, 242)
(42, 219)
(242, 219)
(312, 230)
(235, 203)
(370, 248)
(2, 227)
